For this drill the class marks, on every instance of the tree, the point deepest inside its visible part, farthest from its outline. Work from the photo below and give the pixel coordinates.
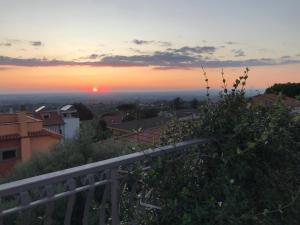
(102, 132)
(127, 107)
(178, 103)
(130, 111)
(289, 89)
(148, 113)
(194, 103)
(83, 111)
(248, 174)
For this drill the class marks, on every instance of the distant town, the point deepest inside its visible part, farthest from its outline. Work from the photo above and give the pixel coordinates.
(26, 128)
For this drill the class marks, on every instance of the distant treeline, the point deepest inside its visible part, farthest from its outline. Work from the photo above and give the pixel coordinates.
(289, 89)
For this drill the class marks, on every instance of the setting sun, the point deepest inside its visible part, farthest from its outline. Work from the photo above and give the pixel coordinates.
(95, 89)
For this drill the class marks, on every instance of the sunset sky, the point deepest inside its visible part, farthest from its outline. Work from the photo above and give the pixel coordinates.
(76, 45)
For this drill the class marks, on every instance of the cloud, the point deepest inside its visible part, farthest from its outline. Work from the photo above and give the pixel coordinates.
(158, 58)
(172, 68)
(167, 60)
(11, 42)
(231, 43)
(94, 56)
(194, 50)
(36, 43)
(137, 50)
(145, 42)
(238, 53)
(141, 42)
(7, 44)
(5, 60)
(164, 43)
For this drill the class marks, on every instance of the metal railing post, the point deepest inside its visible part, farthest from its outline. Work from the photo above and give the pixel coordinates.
(115, 192)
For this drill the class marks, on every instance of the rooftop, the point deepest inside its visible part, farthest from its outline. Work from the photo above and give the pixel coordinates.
(143, 124)
(50, 118)
(269, 99)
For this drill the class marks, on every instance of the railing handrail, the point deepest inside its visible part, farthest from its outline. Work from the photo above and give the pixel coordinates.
(50, 178)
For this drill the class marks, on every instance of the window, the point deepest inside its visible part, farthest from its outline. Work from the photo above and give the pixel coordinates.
(8, 154)
(46, 116)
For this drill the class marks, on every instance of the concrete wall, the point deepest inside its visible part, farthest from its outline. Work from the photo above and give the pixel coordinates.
(57, 129)
(71, 127)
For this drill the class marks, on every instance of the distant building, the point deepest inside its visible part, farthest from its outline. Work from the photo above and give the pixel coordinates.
(52, 120)
(64, 121)
(20, 136)
(144, 131)
(187, 114)
(71, 120)
(112, 119)
(270, 99)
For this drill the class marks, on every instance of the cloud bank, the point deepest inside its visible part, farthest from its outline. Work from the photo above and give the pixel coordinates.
(186, 57)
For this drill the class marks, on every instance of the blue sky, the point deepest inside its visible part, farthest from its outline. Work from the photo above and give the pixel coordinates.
(164, 34)
(260, 28)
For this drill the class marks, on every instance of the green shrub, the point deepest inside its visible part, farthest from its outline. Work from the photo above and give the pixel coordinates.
(248, 174)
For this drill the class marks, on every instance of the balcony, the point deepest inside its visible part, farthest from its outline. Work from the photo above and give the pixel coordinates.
(103, 192)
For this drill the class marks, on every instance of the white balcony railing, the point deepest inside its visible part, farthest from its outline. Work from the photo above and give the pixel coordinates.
(21, 202)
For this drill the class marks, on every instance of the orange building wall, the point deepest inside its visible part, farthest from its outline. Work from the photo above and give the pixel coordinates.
(43, 144)
(20, 126)
(7, 117)
(11, 128)
(7, 165)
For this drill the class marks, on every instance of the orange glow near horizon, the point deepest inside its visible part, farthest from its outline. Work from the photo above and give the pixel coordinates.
(86, 78)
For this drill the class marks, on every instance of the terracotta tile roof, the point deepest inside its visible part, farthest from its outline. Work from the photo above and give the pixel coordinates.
(149, 136)
(54, 118)
(43, 132)
(144, 124)
(146, 137)
(269, 99)
(112, 119)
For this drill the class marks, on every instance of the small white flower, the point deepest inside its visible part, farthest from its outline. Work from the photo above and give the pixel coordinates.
(231, 181)
(220, 204)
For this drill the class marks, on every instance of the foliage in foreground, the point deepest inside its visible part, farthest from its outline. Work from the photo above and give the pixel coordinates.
(248, 174)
